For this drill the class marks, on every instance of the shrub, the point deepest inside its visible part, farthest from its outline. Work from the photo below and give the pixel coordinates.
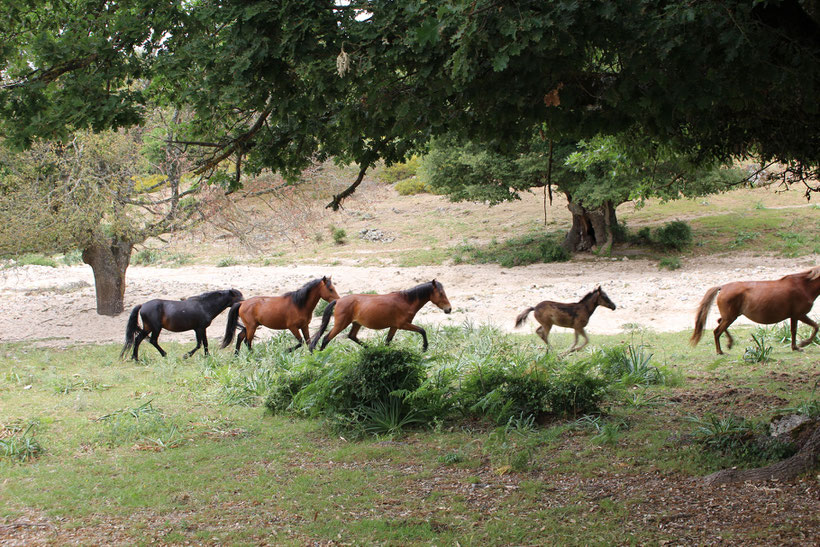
(145, 257)
(674, 235)
(412, 186)
(628, 365)
(226, 262)
(518, 251)
(574, 392)
(339, 235)
(399, 171)
(34, 259)
(20, 446)
(72, 258)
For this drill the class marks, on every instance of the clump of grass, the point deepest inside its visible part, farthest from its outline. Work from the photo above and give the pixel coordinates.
(35, 259)
(146, 257)
(670, 263)
(629, 366)
(19, 445)
(72, 258)
(737, 441)
(226, 262)
(759, 352)
(143, 425)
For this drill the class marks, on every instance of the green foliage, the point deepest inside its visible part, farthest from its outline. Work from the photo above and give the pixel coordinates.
(738, 441)
(518, 251)
(675, 235)
(143, 425)
(399, 171)
(759, 352)
(629, 365)
(410, 187)
(73, 258)
(226, 262)
(20, 445)
(670, 263)
(339, 235)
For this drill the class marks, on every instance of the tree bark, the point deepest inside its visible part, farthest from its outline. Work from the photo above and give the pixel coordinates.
(806, 459)
(109, 260)
(592, 228)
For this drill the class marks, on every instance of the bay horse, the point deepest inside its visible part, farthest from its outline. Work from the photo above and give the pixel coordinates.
(291, 311)
(790, 297)
(574, 316)
(393, 311)
(194, 313)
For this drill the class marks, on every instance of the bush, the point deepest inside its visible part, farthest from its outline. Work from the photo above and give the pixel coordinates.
(399, 171)
(670, 263)
(412, 186)
(34, 259)
(675, 235)
(146, 257)
(339, 235)
(518, 251)
(628, 365)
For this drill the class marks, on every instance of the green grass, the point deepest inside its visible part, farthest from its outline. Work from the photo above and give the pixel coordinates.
(517, 251)
(159, 449)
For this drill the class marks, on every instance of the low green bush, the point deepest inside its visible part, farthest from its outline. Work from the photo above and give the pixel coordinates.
(675, 235)
(738, 442)
(411, 186)
(399, 171)
(520, 251)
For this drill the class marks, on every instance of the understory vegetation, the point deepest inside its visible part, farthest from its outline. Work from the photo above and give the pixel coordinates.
(480, 406)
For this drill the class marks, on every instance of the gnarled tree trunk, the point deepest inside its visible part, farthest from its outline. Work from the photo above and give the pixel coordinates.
(109, 260)
(592, 228)
(806, 459)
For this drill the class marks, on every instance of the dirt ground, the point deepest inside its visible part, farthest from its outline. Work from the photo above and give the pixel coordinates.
(56, 306)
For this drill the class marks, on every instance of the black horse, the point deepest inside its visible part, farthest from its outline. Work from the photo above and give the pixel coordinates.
(194, 313)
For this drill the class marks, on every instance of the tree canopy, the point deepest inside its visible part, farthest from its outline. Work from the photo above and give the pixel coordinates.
(278, 84)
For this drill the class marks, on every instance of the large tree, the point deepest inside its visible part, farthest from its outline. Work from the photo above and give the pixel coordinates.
(100, 193)
(595, 175)
(275, 84)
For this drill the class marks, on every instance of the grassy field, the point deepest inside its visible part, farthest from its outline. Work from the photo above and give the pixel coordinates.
(176, 451)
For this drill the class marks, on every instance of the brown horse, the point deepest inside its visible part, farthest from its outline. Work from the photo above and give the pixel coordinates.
(291, 311)
(574, 316)
(395, 310)
(790, 297)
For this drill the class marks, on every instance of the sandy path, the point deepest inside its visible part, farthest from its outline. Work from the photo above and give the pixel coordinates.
(62, 299)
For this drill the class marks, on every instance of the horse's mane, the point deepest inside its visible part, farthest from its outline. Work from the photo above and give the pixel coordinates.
(813, 274)
(420, 292)
(588, 296)
(203, 296)
(300, 295)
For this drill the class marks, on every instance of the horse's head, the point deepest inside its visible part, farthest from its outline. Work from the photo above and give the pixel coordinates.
(327, 291)
(439, 297)
(236, 296)
(603, 299)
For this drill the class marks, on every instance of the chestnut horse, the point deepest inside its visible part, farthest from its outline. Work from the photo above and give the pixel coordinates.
(395, 310)
(194, 313)
(574, 316)
(291, 311)
(790, 297)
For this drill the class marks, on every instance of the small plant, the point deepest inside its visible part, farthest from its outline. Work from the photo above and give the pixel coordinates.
(339, 235)
(399, 171)
(146, 257)
(73, 258)
(742, 442)
(759, 352)
(641, 399)
(744, 237)
(226, 262)
(389, 417)
(675, 235)
(670, 263)
(20, 446)
(34, 259)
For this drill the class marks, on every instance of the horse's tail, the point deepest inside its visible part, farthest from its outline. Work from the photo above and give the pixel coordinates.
(131, 329)
(325, 320)
(703, 313)
(230, 328)
(522, 317)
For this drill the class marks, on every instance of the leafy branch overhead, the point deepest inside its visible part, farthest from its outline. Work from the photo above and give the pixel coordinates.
(279, 85)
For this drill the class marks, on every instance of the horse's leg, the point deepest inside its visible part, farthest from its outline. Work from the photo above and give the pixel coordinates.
(239, 339)
(723, 326)
(354, 330)
(340, 325)
(390, 334)
(298, 336)
(416, 328)
(574, 345)
(153, 339)
(730, 341)
(544, 332)
(137, 340)
(200, 335)
(812, 324)
(586, 339)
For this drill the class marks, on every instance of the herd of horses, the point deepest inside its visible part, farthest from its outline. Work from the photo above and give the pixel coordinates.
(767, 302)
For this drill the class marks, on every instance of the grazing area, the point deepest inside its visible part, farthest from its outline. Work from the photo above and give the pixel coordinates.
(234, 449)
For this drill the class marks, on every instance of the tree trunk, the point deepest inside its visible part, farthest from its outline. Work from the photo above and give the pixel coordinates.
(806, 459)
(592, 228)
(109, 260)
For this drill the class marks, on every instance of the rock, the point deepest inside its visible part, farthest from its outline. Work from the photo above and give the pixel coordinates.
(374, 234)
